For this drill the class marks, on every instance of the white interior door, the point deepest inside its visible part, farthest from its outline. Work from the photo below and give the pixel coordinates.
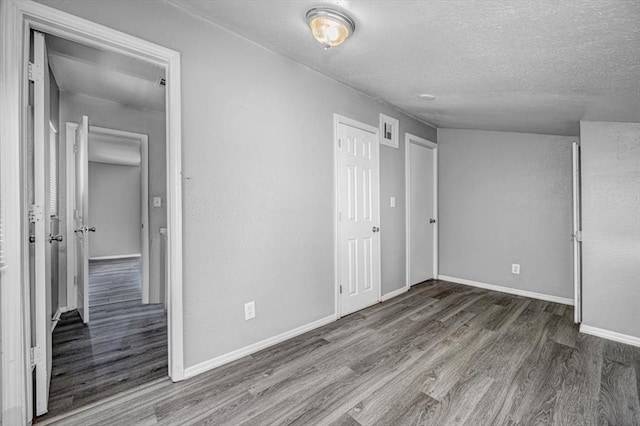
(81, 216)
(422, 213)
(39, 74)
(577, 237)
(358, 197)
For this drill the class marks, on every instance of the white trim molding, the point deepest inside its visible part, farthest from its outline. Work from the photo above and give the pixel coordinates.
(116, 256)
(509, 290)
(394, 293)
(248, 350)
(17, 19)
(610, 335)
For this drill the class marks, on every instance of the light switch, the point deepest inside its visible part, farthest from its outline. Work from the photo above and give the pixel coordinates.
(392, 201)
(157, 201)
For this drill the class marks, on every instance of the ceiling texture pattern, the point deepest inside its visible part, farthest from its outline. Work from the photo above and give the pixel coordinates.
(537, 66)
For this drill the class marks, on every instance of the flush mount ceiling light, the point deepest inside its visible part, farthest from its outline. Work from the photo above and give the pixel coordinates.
(426, 96)
(330, 27)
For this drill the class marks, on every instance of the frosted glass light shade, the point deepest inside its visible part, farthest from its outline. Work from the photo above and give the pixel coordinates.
(329, 27)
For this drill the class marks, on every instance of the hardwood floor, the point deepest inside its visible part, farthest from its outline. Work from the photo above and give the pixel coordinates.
(123, 346)
(114, 280)
(441, 354)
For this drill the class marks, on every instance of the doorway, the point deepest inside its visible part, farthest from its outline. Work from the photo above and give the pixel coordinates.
(18, 20)
(357, 188)
(421, 168)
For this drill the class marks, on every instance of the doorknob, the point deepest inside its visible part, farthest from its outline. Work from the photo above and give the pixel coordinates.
(376, 229)
(80, 230)
(92, 229)
(432, 220)
(53, 238)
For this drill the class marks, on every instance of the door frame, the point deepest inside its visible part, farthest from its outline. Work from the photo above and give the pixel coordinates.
(144, 211)
(17, 19)
(408, 140)
(577, 232)
(337, 120)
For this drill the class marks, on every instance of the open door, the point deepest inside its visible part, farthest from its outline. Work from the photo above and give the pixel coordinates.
(39, 217)
(577, 237)
(81, 216)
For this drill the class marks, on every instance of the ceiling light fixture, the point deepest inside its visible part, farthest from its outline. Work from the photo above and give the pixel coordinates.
(426, 96)
(330, 27)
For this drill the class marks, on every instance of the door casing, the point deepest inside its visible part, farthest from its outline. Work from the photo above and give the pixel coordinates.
(17, 19)
(337, 120)
(409, 139)
(144, 211)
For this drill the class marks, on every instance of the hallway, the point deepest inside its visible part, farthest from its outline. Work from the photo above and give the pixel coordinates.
(123, 346)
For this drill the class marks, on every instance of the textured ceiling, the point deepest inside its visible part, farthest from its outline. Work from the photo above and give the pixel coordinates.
(534, 66)
(105, 75)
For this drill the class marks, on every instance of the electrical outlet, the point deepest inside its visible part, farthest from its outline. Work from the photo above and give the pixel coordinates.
(515, 268)
(392, 201)
(249, 310)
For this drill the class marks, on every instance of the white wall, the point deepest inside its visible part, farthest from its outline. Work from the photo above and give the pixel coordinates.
(115, 116)
(506, 198)
(258, 178)
(611, 226)
(114, 209)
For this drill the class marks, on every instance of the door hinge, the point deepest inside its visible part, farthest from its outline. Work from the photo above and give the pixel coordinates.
(75, 148)
(341, 289)
(35, 72)
(578, 236)
(339, 143)
(32, 358)
(35, 213)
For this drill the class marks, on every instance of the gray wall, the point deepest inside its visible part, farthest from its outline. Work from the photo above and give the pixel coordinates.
(115, 116)
(506, 198)
(114, 209)
(611, 226)
(257, 134)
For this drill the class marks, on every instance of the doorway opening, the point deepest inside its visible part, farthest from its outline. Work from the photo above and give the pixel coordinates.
(421, 189)
(28, 318)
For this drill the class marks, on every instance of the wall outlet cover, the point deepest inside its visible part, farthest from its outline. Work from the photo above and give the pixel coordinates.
(157, 201)
(392, 201)
(249, 310)
(515, 268)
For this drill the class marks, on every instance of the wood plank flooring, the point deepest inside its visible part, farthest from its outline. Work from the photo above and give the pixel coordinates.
(114, 280)
(440, 354)
(123, 346)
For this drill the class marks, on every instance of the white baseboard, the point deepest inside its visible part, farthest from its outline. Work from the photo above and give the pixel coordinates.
(394, 293)
(117, 256)
(248, 350)
(611, 335)
(509, 290)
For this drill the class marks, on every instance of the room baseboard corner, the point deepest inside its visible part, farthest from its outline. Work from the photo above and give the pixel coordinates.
(253, 348)
(509, 290)
(610, 335)
(394, 293)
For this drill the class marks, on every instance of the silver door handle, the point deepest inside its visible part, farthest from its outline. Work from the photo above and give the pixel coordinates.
(53, 238)
(92, 229)
(376, 229)
(432, 220)
(80, 230)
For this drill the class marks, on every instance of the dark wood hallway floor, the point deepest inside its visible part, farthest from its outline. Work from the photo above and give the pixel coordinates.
(441, 354)
(123, 346)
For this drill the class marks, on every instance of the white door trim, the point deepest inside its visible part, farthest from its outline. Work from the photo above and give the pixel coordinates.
(409, 139)
(337, 120)
(17, 18)
(577, 235)
(70, 201)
